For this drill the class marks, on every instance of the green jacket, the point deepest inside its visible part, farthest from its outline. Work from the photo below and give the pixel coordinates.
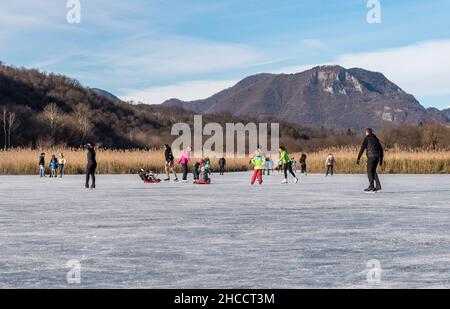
(258, 162)
(284, 157)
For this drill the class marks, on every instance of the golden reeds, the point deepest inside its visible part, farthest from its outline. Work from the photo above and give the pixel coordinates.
(397, 161)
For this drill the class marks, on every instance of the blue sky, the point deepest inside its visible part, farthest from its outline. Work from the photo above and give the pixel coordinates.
(152, 50)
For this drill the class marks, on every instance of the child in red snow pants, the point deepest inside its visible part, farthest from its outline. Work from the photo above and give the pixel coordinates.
(257, 174)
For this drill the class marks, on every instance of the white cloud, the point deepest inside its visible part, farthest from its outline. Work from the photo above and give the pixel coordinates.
(421, 69)
(294, 69)
(27, 14)
(188, 91)
(168, 56)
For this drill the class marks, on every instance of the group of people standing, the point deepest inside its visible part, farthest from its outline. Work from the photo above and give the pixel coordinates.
(371, 145)
(259, 163)
(56, 166)
(201, 169)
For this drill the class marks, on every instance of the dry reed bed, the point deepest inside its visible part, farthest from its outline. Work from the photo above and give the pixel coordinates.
(25, 161)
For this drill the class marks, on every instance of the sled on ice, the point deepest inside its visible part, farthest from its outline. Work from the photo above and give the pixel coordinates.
(203, 182)
(148, 177)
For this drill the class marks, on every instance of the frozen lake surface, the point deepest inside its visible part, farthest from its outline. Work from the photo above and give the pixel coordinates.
(319, 233)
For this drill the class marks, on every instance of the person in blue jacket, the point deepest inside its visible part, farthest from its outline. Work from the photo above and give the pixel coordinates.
(53, 166)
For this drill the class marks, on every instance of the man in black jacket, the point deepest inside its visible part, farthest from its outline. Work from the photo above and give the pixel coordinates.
(91, 165)
(169, 165)
(42, 165)
(375, 155)
(222, 163)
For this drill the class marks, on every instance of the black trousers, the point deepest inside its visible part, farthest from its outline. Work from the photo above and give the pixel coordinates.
(90, 173)
(195, 173)
(303, 168)
(372, 165)
(185, 171)
(222, 170)
(288, 167)
(330, 170)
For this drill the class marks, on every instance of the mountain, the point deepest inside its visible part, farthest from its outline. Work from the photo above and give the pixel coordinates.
(326, 96)
(105, 94)
(51, 109)
(42, 110)
(446, 113)
(79, 114)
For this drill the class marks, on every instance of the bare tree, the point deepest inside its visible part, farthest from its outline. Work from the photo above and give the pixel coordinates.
(53, 114)
(5, 126)
(12, 126)
(432, 135)
(82, 115)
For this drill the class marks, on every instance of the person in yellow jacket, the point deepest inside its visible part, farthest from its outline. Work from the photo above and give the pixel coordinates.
(258, 162)
(286, 162)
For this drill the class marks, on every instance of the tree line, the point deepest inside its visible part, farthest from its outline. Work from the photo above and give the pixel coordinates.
(40, 110)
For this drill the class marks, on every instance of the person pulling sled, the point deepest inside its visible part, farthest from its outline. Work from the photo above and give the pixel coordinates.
(169, 165)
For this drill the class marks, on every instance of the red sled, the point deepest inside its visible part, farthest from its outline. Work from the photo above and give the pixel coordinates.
(152, 181)
(204, 182)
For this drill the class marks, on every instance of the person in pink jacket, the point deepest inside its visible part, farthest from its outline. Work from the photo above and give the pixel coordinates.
(184, 161)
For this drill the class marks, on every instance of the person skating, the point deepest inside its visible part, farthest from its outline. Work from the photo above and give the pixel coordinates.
(303, 165)
(329, 163)
(222, 164)
(169, 165)
(375, 156)
(258, 162)
(207, 163)
(91, 166)
(53, 167)
(61, 163)
(42, 165)
(267, 167)
(287, 165)
(184, 161)
(294, 165)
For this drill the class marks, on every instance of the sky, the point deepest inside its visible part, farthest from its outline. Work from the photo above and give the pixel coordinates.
(152, 50)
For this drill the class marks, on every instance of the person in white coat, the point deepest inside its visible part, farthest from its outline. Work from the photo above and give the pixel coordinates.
(330, 162)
